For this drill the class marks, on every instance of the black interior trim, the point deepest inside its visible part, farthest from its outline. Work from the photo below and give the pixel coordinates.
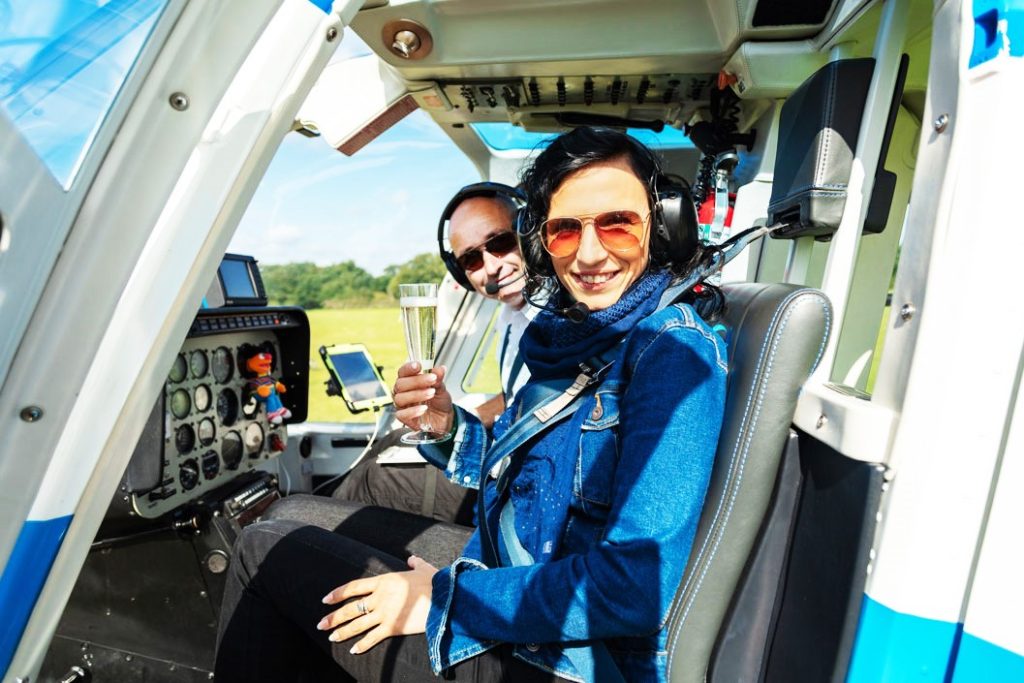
(828, 560)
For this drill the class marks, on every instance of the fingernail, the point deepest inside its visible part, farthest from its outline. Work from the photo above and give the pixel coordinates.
(322, 625)
(353, 651)
(431, 391)
(327, 599)
(334, 637)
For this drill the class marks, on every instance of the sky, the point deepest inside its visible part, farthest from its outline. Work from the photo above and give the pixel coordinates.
(376, 208)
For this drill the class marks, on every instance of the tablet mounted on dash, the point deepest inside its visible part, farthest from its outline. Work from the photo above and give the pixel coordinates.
(354, 377)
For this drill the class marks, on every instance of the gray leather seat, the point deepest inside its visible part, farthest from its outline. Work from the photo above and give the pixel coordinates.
(776, 334)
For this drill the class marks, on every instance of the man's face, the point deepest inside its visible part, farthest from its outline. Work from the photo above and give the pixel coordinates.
(475, 221)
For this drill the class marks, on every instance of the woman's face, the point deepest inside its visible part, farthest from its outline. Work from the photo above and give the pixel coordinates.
(593, 274)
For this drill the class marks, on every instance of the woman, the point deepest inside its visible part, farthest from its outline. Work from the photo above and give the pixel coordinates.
(586, 527)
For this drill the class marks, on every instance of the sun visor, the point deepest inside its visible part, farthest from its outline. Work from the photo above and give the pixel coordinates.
(818, 131)
(353, 102)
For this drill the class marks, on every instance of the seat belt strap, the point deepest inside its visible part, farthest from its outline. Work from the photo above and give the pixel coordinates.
(429, 490)
(513, 377)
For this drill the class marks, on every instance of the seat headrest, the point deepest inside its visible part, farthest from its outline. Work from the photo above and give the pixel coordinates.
(818, 130)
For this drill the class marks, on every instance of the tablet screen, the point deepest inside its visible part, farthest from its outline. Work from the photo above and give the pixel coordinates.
(358, 377)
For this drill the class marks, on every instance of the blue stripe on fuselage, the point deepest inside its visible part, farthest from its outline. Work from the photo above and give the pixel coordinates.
(325, 5)
(23, 578)
(980, 660)
(893, 646)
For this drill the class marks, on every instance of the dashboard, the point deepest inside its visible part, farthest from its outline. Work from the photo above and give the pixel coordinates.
(208, 426)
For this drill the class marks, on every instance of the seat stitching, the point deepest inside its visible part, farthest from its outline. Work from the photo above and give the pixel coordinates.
(733, 487)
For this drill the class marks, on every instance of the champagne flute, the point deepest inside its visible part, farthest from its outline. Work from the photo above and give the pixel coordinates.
(419, 313)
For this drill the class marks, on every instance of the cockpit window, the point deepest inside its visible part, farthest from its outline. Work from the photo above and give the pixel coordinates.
(62, 63)
(506, 136)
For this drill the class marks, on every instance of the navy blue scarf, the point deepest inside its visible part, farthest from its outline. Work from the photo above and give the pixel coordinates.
(554, 346)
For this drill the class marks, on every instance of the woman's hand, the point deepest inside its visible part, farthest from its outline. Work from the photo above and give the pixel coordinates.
(388, 605)
(423, 398)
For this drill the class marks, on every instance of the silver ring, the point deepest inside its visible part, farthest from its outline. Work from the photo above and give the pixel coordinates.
(361, 606)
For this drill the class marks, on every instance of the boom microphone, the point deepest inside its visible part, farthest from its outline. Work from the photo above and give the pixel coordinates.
(492, 287)
(577, 312)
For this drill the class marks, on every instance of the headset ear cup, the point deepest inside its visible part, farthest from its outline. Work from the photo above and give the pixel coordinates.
(455, 269)
(676, 221)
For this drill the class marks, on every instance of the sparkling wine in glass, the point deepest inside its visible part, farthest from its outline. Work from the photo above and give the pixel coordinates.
(419, 313)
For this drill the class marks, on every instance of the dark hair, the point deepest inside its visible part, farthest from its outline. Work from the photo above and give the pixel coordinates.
(569, 153)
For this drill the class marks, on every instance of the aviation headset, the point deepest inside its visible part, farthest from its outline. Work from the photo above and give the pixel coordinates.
(486, 189)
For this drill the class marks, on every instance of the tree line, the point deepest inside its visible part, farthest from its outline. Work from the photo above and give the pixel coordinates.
(345, 285)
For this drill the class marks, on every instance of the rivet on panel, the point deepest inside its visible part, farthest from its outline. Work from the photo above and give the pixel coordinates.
(179, 101)
(31, 413)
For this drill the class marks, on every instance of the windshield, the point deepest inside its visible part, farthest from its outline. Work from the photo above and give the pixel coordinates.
(62, 63)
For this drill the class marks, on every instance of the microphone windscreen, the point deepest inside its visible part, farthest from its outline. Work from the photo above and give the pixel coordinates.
(578, 312)
(492, 287)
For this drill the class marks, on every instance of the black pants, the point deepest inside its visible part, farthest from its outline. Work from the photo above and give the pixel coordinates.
(419, 489)
(282, 567)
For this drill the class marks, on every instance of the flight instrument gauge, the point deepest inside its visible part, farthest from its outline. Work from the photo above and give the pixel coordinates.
(223, 364)
(188, 475)
(227, 407)
(207, 432)
(253, 439)
(250, 404)
(179, 369)
(181, 404)
(202, 401)
(231, 450)
(211, 464)
(198, 363)
(184, 438)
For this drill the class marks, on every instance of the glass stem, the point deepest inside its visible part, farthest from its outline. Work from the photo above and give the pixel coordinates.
(425, 424)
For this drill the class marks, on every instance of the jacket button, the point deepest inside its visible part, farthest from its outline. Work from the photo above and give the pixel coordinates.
(598, 411)
(532, 647)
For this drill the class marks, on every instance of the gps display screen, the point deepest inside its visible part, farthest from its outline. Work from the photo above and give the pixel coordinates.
(237, 280)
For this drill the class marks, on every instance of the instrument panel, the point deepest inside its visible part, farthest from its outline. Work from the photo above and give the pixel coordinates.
(213, 426)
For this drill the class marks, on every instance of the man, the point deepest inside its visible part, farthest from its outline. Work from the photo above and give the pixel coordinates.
(481, 231)
(484, 256)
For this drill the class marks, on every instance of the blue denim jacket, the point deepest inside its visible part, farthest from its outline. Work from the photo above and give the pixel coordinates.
(638, 451)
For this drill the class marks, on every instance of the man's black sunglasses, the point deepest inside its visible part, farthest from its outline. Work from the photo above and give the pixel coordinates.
(498, 245)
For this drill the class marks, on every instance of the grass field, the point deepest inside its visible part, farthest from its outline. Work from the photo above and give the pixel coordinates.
(380, 330)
